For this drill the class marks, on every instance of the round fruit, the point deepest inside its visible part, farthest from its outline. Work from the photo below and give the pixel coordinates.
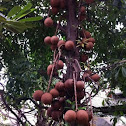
(53, 47)
(84, 58)
(62, 4)
(60, 64)
(86, 75)
(83, 10)
(56, 115)
(82, 17)
(47, 40)
(56, 105)
(62, 100)
(70, 116)
(95, 77)
(80, 85)
(87, 34)
(89, 46)
(55, 10)
(46, 98)
(69, 84)
(80, 95)
(59, 86)
(48, 22)
(49, 111)
(91, 40)
(60, 43)
(55, 3)
(37, 95)
(69, 45)
(54, 93)
(89, 1)
(62, 93)
(54, 40)
(82, 117)
(49, 69)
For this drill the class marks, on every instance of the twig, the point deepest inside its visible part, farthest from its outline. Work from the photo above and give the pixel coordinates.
(50, 79)
(75, 90)
(7, 106)
(91, 107)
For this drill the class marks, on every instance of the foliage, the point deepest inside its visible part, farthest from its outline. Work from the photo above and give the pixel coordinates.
(26, 57)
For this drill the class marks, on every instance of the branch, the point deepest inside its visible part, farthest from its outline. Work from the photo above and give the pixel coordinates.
(110, 109)
(113, 65)
(7, 106)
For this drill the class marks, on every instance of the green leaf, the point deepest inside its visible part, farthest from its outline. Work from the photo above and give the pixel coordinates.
(103, 102)
(1, 27)
(2, 8)
(2, 19)
(24, 10)
(16, 27)
(124, 71)
(31, 19)
(14, 11)
(68, 101)
(82, 108)
(26, 13)
(117, 74)
(114, 121)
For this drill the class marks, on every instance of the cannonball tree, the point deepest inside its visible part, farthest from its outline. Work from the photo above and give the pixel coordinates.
(68, 100)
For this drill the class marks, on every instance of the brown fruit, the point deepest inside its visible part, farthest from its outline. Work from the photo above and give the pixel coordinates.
(82, 10)
(54, 93)
(70, 116)
(89, 1)
(49, 111)
(82, 17)
(62, 93)
(56, 105)
(91, 40)
(53, 47)
(95, 77)
(69, 84)
(55, 10)
(37, 95)
(80, 85)
(48, 22)
(59, 86)
(87, 34)
(60, 43)
(82, 33)
(56, 115)
(46, 98)
(69, 45)
(86, 75)
(54, 40)
(82, 117)
(55, 3)
(49, 69)
(60, 64)
(62, 4)
(84, 58)
(89, 46)
(61, 100)
(80, 95)
(47, 40)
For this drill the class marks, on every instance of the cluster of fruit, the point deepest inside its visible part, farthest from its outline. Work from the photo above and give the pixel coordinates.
(57, 97)
(57, 5)
(69, 88)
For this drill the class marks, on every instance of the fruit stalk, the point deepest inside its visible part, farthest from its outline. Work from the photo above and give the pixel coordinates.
(75, 90)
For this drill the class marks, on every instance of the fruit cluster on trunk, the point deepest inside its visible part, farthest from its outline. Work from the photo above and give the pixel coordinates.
(70, 90)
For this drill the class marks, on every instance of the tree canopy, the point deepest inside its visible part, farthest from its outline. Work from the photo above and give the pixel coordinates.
(25, 56)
